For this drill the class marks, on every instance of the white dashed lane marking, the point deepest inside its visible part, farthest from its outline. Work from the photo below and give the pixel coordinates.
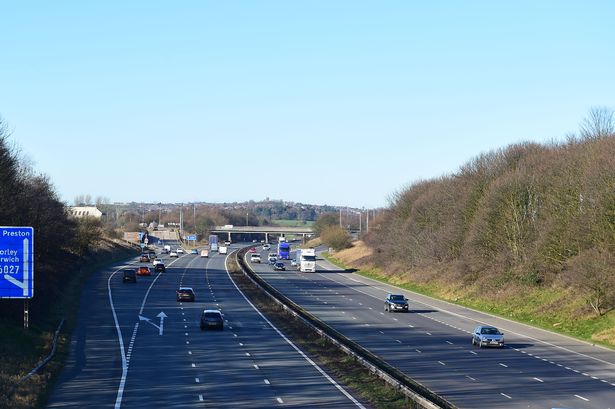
(582, 398)
(505, 395)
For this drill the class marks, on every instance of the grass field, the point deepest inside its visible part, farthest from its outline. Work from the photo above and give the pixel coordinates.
(292, 223)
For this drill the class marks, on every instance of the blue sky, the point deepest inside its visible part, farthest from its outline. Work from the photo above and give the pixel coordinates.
(330, 102)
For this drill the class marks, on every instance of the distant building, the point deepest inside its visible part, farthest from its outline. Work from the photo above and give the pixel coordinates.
(85, 211)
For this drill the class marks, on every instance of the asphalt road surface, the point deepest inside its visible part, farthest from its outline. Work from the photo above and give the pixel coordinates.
(119, 359)
(431, 343)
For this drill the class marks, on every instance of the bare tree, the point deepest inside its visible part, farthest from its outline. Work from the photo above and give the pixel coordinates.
(599, 123)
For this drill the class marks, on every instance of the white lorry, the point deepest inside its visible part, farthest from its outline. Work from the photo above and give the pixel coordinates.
(307, 261)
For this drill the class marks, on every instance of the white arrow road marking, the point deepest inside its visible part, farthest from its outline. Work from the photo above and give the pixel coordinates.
(160, 327)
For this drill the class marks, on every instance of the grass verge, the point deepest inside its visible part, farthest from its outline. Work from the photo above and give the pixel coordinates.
(356, 377)
(22, 349)
(548, 309)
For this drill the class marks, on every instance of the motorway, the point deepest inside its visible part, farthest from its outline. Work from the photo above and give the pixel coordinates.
(119, 360)
(431, 343)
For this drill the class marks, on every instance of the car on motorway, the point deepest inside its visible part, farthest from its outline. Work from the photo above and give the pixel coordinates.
(293, 263)
(396, 302)
(179, 250)
(252, 250)
(254, 241)
(160, 268)
(205, 253)
(227, 243)
(156, 261)
(194, 251)
(151, 254)
(212, 319)
(266, 246)
(487, 336)
(185, 294)
(272, 259)
(144, 271)
(130, 275)
(255, 258)
(144, 258)
(279, 266)
(173, 254)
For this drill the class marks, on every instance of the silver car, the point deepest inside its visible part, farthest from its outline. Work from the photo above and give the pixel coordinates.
(487, 336)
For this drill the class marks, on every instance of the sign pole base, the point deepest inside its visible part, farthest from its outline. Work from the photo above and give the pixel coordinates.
(26, 314)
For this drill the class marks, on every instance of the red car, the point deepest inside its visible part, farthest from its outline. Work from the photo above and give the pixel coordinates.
(252, 250)
(144, 271)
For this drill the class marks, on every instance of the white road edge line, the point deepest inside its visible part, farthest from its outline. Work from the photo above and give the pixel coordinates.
(377, 285)
(120, 389)
(308, 359)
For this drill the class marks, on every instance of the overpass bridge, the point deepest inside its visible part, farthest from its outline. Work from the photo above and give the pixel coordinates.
(265, 230)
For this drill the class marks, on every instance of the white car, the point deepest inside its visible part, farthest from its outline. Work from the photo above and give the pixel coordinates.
(173, 254)
(266, 246)
(293, 263)
(180, 250)
(156, 261)
(255, 258)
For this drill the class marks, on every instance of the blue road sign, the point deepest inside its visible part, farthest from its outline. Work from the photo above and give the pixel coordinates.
(192, 238)
(16, 262)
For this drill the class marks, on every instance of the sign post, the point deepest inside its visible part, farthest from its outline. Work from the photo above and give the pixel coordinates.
(17, 265)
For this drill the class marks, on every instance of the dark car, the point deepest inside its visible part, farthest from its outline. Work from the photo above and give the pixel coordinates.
(144, 258)
(152, 254)
(185, 294)
(396, 302)
(144, 271)
(212, 319)
(279, 266)
(160, 268)
(130, 275)
(194, 251)
(487, 336)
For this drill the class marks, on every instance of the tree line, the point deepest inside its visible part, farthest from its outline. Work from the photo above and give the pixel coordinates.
(532, 214)
(28, 198)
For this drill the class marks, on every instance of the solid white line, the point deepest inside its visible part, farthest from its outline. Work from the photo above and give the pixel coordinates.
(120, 390)
(300, 352)
(505, 395)
(582, 398)
(377, 287)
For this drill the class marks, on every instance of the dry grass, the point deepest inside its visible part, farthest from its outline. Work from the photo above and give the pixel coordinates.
(607, 336)
(358, 254)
